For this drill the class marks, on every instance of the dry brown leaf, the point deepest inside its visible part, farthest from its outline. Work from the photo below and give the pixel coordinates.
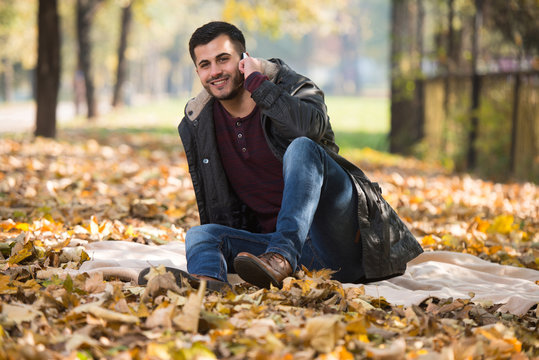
(160, 317)
(95, 283)
(322, 332)
(100, 312)
(189, 317)
(395, 350)
(87, 193)
(259, 328)
(16, 314)
(159, 284)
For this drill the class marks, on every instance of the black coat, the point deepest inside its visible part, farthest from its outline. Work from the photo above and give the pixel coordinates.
(291, 106)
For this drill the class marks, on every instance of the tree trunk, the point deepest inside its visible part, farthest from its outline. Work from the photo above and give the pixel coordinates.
(48, 68)
(514, 123)
(420, 51)
(7, 80)
(350, 84)
(406, 88)
(476, 88)
(121, 73)
(85, 14)
(448, 71)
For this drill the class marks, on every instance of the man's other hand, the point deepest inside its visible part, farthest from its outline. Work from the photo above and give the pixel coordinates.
(250, 65)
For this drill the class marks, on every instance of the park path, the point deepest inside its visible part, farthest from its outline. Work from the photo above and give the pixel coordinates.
(20, 117)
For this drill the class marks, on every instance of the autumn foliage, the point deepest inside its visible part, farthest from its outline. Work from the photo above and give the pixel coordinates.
(57, 196)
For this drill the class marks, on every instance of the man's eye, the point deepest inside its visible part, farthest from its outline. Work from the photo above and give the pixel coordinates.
(203, 66)
(222, 60)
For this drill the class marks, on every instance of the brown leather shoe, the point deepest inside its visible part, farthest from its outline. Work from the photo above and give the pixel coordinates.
(263, 270)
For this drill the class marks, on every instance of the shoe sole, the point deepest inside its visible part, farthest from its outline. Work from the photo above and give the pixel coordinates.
(253, 273)
(179, 275)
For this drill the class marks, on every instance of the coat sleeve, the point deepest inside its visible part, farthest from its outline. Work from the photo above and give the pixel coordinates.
(295, 109)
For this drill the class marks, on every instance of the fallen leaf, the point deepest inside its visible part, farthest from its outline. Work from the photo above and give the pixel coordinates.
(100, 312)
(188, 319)
(322, 332)
(394, 350)
(16, 314)
(95, 283)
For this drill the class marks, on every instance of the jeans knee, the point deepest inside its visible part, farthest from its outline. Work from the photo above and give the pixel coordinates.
(300, 147)
(201, 234)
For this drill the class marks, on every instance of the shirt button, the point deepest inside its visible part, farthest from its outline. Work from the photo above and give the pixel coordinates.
(238, 124)
(205, 161)
(240, 135)
(243, 149)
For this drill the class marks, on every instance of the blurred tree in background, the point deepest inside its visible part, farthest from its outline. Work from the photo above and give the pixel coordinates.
(86, 10)
(101, 60)
(48, 68)
(464, 82)
(121, 68)
(435, 58)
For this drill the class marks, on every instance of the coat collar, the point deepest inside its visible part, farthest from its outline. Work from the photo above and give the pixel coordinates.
(195, 105)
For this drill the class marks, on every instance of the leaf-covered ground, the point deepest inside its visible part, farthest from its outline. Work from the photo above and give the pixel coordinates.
(134, 186)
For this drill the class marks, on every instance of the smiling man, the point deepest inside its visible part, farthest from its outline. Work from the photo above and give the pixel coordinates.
(271, 190)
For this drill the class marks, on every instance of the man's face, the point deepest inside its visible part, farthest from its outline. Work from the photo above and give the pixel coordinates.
(217, 68)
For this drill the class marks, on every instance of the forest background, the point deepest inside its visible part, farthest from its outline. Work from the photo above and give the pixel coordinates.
(434, 79)
(460, 75)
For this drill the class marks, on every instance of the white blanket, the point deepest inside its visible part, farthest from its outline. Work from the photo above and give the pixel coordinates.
(438, 274)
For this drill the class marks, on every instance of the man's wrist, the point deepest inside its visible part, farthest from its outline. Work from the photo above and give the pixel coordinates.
(254, 80)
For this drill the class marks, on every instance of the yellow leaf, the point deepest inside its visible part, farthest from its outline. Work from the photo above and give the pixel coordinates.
(130, 232)
(340, 353)
(482, 225)
(358, 326)
(142, 310)
(25, 252)
(428, 240)
(450, 241)
(7, 225)
(503, 224)
(157, 351)
(22, 226)
(31, 284)
(84, 257)
(5, 287)
(493, 249)
(196, 352)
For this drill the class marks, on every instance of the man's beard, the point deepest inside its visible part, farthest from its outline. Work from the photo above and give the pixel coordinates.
(237, 86)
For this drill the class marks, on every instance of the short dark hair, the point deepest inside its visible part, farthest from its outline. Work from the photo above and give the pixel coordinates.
(211, 30)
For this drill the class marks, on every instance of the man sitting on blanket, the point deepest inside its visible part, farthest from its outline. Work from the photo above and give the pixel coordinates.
(272, 192)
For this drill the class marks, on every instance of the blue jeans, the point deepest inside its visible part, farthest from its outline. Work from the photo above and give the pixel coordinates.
(316, 226)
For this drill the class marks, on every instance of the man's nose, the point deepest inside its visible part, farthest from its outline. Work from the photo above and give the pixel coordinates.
(215, 70)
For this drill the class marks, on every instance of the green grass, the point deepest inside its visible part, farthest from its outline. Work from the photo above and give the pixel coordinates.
(358, 122)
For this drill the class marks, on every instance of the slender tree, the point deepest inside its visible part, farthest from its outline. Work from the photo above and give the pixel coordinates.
(85, 14)
(476, 87)
(121, 71)
(449, 68)
(48, 68)
(7, 79)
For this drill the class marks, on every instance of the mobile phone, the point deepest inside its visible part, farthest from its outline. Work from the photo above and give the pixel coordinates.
(244, 55)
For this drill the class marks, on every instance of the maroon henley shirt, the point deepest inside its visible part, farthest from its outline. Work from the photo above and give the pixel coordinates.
(253, 171)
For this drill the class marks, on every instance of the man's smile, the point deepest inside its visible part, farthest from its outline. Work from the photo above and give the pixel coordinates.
(219, 82)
